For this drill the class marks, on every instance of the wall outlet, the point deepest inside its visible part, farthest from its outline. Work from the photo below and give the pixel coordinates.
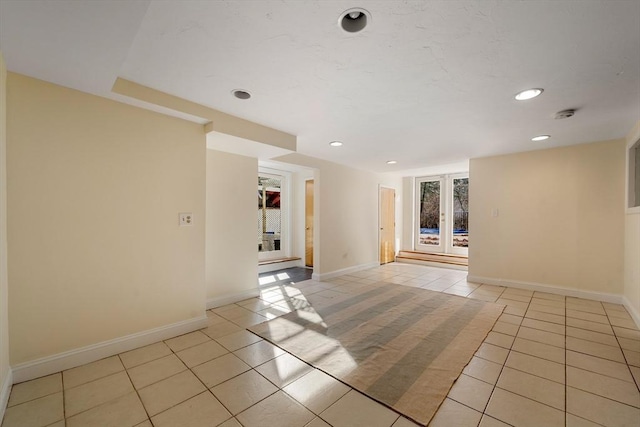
(186, 219)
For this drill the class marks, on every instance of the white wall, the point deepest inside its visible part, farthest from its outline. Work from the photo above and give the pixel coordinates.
(94, 192)
(346, 215)
(559, 217)
(5, 372)
(632, 245)
(231, 224)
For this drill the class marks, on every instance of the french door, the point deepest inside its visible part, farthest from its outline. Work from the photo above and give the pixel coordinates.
(442, 214)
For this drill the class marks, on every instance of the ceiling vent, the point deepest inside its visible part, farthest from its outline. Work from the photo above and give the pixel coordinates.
(565, 114)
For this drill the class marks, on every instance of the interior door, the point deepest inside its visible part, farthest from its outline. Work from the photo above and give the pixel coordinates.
(387, 225)
(308, 223)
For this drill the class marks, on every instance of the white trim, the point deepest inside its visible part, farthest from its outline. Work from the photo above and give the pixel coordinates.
(266, 268)
(336, 273)
(5, 391)
(80, 356)
(231, 298)
(559, 290)
(635, 315)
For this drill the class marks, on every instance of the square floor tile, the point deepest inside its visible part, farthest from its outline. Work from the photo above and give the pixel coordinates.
(573, 421)
(284, 369)
(520, 411)
(144, 354)
(506, 328)
(627, 333)
(533, 387)
(238, 340)
(220, 369)
(258, 353)
(541, 336)
(600, 410)
(484, 370)
(545, 317)
(34, 389)
(201, 353)
(276, 410)
(239, 393)
(156, 370)
(536, 366)
(95, 393)
(611, 388)
(221, 329)
(169, 392)
(471, 392)
(544, 326)
(452, 413)
(185, 341)
(498, 339)
(538, 349)
(488, 421)
(316, 390)
(125, 411)
(599, 365)
(595, 349)
(92, 371)
(202, 410)
(587, 335)
(590, 326)
(355, 409)
(231, 422)
(492, 353)
(35, 413)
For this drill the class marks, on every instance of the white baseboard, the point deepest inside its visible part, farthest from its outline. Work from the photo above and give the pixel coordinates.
(635, 315)
(559, 290)
(5, 391)
(336, 273)
(231, 298)
(80, 356)
(266, 268)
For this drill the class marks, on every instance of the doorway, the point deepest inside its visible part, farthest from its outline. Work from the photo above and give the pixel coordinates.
(308, 223)
(387, 225)
(442, 214)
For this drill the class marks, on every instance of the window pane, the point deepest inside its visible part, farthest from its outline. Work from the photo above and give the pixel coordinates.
(269, 213)
(430, 213)
(461, 212)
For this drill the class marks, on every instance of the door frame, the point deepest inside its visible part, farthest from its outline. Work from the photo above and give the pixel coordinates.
(445, 244)
(285, 214)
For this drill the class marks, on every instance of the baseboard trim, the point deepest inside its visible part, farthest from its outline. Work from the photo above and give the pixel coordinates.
(558, 290)
(635, 315)
(230, 299)
(5, 391)
(266, 268)
(343, 271)
(70, 359)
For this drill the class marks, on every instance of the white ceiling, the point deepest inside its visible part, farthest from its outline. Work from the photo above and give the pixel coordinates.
(426, 83)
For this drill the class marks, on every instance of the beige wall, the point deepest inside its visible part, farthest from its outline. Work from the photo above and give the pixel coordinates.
(94, 192)
(346, 214)
(632, 245)
(231, 226)
(4, 315)
(559, 217)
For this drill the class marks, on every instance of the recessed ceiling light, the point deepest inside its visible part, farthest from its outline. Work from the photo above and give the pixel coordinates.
(335, 144)
(540, 137)
(354, 20)
(392, 162)
(528, 94)
(241, 94)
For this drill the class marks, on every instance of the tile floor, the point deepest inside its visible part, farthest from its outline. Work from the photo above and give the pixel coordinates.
(549, 361)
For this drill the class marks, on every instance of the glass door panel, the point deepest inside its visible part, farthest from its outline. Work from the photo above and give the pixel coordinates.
(270, 218)
(430, 213)
(459, 230)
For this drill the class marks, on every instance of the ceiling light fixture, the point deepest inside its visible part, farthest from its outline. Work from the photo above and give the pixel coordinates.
(528, 94)
(540, 137)
(354, 20)
(392, 162)
(241, 94)
(335, 144)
